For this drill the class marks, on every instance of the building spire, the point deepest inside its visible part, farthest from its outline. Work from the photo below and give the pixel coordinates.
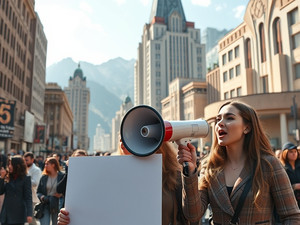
(164, 8)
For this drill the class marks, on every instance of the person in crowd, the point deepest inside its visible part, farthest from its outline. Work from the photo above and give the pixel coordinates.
(278, 153)
(61, 186)
(35, 173)
(172, 213)
(40, 162)
(47, 193)
(61, 163)
(3, 162)
(241, 153)
(290, 159)
(16, 186)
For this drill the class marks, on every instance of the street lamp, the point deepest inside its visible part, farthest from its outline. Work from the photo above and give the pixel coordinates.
(295, 115)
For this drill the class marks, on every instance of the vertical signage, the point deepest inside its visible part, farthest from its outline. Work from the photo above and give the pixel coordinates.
(7, 110)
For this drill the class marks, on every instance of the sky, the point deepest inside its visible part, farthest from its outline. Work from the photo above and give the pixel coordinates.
(96, 31)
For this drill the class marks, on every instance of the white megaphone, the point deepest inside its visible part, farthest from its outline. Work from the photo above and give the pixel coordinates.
(143, 130)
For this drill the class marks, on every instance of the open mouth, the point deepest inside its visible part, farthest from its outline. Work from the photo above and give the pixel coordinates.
(221, 133)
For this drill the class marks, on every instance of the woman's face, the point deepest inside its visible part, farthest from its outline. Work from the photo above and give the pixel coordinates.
(10, 167)
(49, 167)
(292, 155)
(230, 128)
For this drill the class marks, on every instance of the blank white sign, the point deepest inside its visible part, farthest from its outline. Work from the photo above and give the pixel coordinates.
(114, 190)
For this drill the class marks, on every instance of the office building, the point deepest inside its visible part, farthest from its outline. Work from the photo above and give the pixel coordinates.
(79, 98)
(170, 48)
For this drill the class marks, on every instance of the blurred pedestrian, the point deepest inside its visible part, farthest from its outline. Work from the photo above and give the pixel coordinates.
(35, 173)
(47, 191)
(290, 158)
(61, 186)
(16, 185)
(278, 153)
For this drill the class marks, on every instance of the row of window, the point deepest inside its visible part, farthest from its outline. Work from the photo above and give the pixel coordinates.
(231, 73)
(230, 55)
(8, 85)
(14, 20)
(233, 93)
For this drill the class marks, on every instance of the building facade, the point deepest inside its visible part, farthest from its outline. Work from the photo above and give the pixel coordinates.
(260, 65)
(59, 120)
(18, 39)
(102, 140)
(38, 82)
(79, 98)
(170, 48)
(116, 123)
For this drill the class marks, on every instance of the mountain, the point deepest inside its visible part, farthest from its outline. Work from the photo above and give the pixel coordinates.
(109, 84)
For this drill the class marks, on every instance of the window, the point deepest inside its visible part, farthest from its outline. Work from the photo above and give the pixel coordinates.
(262, 43)
(230, 55)
(239, 91)
(231, 74)
(238, 70)
(248, 54)
(296, 40)
(224, 61)
(225, 78)
(237, 51)
(297, 71)
(293, 17)
(232, 93)
(277, 37)
(264, 84)
(226, 95)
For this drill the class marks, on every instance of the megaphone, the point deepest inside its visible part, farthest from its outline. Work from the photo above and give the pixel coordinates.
(143, 130)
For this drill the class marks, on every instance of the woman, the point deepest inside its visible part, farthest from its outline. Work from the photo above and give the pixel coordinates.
(290, 159)
(16, 185)
(47, 191)
(240, 149)
(172, 213)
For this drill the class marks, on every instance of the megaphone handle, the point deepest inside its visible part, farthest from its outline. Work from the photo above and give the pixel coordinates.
(186, 168)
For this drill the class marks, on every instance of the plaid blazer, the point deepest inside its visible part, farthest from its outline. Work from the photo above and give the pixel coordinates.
(279, 195)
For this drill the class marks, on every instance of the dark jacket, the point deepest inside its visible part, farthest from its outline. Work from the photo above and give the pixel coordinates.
(62, 184)
(51, 202)
(294, 176)
(17, 204)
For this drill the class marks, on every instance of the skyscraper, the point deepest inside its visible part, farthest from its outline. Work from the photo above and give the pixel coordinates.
(170, 48)
(79, 98)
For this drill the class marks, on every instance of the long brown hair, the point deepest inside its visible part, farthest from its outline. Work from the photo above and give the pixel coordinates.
(170, 166)
(51, 160)
(255, 145)
(19, 167)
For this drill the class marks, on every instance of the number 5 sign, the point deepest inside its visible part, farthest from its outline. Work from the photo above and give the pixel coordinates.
(7, 109)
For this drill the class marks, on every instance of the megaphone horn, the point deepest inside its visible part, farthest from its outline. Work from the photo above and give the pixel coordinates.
(143, 130)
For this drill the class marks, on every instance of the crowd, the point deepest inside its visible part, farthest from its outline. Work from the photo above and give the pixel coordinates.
(241, 179)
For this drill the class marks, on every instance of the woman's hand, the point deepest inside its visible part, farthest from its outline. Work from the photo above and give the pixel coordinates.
(296, 186)
(63, 217)
(29, 219)
(187, 154)
(57, 195)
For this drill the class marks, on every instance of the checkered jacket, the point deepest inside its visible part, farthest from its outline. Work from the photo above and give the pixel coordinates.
(279, 195)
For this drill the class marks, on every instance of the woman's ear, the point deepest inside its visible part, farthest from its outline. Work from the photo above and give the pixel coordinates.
(247, 129)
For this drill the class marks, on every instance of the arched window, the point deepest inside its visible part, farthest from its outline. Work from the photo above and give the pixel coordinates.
(248, 53)
(262, 43)
(277, 37)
